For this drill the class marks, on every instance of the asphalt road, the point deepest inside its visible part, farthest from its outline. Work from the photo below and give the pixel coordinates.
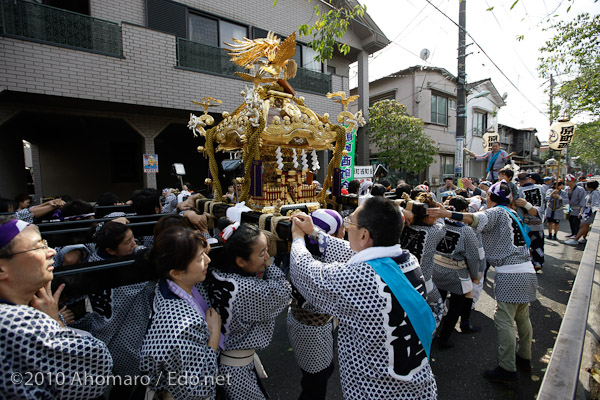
(459, 370)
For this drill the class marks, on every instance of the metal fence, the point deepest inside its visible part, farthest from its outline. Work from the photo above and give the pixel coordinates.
(562, 375)
(203, 58)
(50, 25)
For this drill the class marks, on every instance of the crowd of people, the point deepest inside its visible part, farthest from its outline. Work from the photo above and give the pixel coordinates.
(394, 276)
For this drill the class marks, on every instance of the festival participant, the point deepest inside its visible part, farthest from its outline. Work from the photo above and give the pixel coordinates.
(588, 212)
(496, 159)
(506, 248)
(421, 238)
(183, 338)
(28, 214)
(114, 240)
(22, 201)
(456, 267)
(576, 195)
(548, 181)
(248, 294)
(448, 186)
(311, 332)
(529, 193)
(506, 174)
(385, 326)
(556, 198)
(33, 338)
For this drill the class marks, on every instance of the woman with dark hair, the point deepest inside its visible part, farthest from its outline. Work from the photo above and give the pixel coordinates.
(506, 246)
(183, 338)
(249, 294)
(114, 240)
(456, 267)
(169, 221)
(22, 201)
(421, 238)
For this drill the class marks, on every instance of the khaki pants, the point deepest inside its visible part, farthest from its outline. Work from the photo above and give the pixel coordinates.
(505, 317)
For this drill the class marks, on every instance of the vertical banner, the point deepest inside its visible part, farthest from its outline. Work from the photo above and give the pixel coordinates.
(347, 164)
(150, 163)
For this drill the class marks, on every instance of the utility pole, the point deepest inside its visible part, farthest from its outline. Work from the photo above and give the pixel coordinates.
(461, 93)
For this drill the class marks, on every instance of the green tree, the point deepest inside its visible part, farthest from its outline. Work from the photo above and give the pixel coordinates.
(586, 143)
(574, 52)
(329, 27)
(399, 137)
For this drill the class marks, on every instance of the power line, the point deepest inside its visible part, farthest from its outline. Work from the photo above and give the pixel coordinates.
(489, 58)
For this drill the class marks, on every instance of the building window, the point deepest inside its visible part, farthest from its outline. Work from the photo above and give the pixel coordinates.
(446, 166)
(452, 104)
(380, 97)
(479, 123)
(214, 32)
(330, 70)
(439, 110)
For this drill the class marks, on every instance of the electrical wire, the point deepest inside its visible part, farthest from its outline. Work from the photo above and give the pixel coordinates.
(489, 58)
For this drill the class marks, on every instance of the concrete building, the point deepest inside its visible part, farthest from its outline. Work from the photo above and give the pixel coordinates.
(429, 93)
(93, 85)
(483, 103)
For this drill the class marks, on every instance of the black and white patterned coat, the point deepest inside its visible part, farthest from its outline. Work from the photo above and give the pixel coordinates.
(59, 359)
(504, 245)
(248, 306)
(535, 195)
(120, 318)
(421, 241)
(380, 354)
(459, 243)
(313, 345)
(176, 346)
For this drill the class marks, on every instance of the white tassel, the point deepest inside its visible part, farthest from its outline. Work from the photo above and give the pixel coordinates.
(315, 161)
(304, 160)
(279, 158)
(295, 159)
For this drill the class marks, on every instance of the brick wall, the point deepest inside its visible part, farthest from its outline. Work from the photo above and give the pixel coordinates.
(145, 76)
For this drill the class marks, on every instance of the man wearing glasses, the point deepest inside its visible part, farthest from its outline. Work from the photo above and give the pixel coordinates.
(378, 295)
(41, 357)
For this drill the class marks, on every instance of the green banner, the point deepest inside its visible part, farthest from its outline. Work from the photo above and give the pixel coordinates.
(347, 164)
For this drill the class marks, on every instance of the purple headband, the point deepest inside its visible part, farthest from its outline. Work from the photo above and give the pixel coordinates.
(497, 190)
(9, 230)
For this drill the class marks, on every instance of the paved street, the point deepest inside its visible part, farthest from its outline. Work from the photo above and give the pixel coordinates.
(459, 370)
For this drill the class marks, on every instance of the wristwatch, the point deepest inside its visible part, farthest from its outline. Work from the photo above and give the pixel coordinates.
(315, 234)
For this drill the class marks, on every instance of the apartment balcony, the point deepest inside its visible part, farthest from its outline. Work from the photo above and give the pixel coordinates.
(50, 25)
(203, 58)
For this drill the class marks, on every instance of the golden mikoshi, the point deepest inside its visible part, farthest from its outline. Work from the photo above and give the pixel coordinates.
(274, 130)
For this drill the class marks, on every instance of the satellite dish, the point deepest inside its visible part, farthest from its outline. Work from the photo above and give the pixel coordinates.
(424, 54)
(504, 95)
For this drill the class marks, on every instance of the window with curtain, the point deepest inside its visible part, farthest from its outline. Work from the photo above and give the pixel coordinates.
(446, 165)
(439, 110)
(479, 123)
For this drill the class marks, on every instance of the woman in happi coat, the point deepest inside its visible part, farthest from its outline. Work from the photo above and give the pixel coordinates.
(182, 343)
(249, 294)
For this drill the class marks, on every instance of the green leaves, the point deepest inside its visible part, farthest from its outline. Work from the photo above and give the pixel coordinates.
(586, 143)
(574, 54)
(399, 137)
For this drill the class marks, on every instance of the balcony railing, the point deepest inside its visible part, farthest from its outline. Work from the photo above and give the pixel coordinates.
(50, 25)
(201, 57)
(204, 58)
